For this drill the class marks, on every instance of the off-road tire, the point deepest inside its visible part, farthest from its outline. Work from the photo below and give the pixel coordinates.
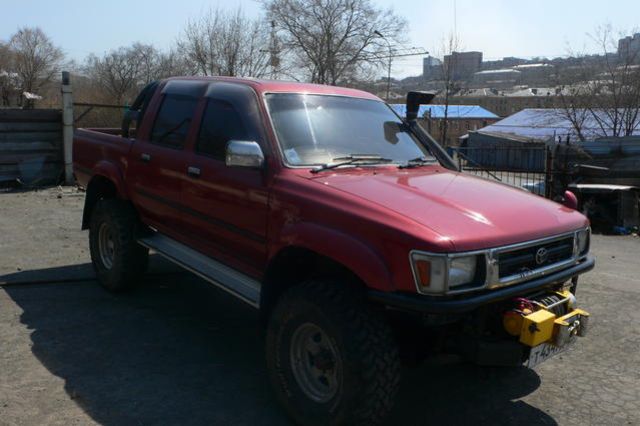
(129, 259)
(368, 353)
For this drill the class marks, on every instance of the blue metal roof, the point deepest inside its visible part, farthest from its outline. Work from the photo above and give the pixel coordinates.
(455, 111)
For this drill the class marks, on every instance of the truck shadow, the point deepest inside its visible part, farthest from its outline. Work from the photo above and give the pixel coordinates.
(462, 394)
(178, 351)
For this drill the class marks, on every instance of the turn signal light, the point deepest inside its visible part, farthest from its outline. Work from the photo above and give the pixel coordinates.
(423, 270)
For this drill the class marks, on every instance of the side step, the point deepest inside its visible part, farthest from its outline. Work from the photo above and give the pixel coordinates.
(226, 278)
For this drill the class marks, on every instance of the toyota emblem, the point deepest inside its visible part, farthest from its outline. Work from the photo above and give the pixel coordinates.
(541, 255)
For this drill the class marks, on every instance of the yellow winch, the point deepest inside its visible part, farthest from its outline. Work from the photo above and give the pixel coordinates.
(551, 318)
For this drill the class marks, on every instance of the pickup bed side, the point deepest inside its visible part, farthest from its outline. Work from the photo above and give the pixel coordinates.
(100, 164)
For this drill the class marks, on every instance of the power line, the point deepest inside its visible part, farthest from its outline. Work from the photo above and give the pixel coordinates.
(399, 53)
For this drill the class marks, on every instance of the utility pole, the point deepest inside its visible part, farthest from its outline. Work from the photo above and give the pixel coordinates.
(274, 60)
(395, 53)
(67, 127)
(378, 33)
(389, 75)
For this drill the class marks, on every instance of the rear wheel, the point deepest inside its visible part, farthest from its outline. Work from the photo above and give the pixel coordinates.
(119, 261)
(330, 358)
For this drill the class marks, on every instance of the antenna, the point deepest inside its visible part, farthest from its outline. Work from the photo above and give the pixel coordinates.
(455, 17)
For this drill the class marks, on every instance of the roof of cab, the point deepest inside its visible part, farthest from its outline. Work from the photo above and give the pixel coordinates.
(277, 86)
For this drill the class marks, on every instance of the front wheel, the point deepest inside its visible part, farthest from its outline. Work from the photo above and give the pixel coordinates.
(330, 358)
(119, 261)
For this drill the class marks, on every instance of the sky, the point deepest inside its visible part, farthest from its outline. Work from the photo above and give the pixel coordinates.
(498, 28)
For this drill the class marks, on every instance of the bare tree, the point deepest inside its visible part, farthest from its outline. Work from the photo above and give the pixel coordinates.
(121, 73)
(333, 41)
(170, 64)
(148, 60)
(450, 83)
(600, 96)
(35, 59)
(117, 72)
(155, 65)
(7, 76)
(226, 43)
(574, 104)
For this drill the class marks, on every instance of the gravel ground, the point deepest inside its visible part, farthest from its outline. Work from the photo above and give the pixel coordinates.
(177, 351)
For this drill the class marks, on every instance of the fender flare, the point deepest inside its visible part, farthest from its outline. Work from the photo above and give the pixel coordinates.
(342, 248)
(107, 171)
(112, 172)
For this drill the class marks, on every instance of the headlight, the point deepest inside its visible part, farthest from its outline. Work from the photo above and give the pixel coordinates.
(462, 270)
(582, 241)
(439, 274)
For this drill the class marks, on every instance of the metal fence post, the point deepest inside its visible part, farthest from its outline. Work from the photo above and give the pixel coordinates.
(548, 172)
(67, 127)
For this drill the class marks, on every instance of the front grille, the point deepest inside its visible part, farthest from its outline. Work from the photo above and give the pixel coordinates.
(530, 258)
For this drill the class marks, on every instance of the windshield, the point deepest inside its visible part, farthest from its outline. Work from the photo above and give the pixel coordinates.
(316, 129)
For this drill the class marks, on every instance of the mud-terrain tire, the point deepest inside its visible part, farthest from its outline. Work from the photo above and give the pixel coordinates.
(118, 260)
(350, 351)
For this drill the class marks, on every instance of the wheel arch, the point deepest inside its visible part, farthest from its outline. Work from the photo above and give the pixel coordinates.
(293, 265)
(106, 182)
(320, 252)
(99, 187)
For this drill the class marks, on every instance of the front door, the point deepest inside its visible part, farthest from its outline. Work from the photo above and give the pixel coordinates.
(227, 206)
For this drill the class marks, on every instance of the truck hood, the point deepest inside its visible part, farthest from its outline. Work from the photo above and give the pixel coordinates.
(471, 212)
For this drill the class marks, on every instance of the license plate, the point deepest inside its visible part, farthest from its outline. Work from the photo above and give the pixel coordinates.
(543, 352)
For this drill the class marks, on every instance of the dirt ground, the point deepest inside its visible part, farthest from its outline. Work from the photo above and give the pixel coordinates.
(179, 352)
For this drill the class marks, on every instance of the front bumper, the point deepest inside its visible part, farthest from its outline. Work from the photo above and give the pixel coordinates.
(534, 329)
(460, 304)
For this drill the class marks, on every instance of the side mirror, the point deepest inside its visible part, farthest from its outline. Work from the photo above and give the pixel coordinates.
(570, 200)
(414, 100)
(391, 130)
(244, 154)
(129, 116)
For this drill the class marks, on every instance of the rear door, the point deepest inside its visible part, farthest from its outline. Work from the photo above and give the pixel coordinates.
(159, 159)
(227, 206)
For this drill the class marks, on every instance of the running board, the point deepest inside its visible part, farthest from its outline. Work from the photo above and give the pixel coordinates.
(226, 278)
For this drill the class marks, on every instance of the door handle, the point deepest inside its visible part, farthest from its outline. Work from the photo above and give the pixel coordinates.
(193, 171)
(145, 157)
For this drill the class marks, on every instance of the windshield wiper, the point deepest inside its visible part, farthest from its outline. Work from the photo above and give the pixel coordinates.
(362, 159)
(417, 162)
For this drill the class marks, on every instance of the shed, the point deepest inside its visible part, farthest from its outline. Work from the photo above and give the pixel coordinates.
(502, 151)
(454, 111)
(544, 124)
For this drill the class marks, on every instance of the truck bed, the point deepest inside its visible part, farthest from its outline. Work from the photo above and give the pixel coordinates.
(98, 145)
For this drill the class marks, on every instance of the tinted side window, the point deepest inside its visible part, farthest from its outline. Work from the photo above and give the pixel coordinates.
(173, 120)
(220, 124)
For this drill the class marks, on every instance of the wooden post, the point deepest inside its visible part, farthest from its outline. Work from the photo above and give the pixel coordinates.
(67, 127)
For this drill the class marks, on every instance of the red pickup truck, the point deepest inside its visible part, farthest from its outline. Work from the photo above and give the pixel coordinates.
(347, 226)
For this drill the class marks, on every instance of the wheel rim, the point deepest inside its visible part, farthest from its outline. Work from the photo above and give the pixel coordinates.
(315, 362)
(106, 245)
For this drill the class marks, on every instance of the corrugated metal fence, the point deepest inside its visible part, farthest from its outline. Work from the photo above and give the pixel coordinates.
(31, 146)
